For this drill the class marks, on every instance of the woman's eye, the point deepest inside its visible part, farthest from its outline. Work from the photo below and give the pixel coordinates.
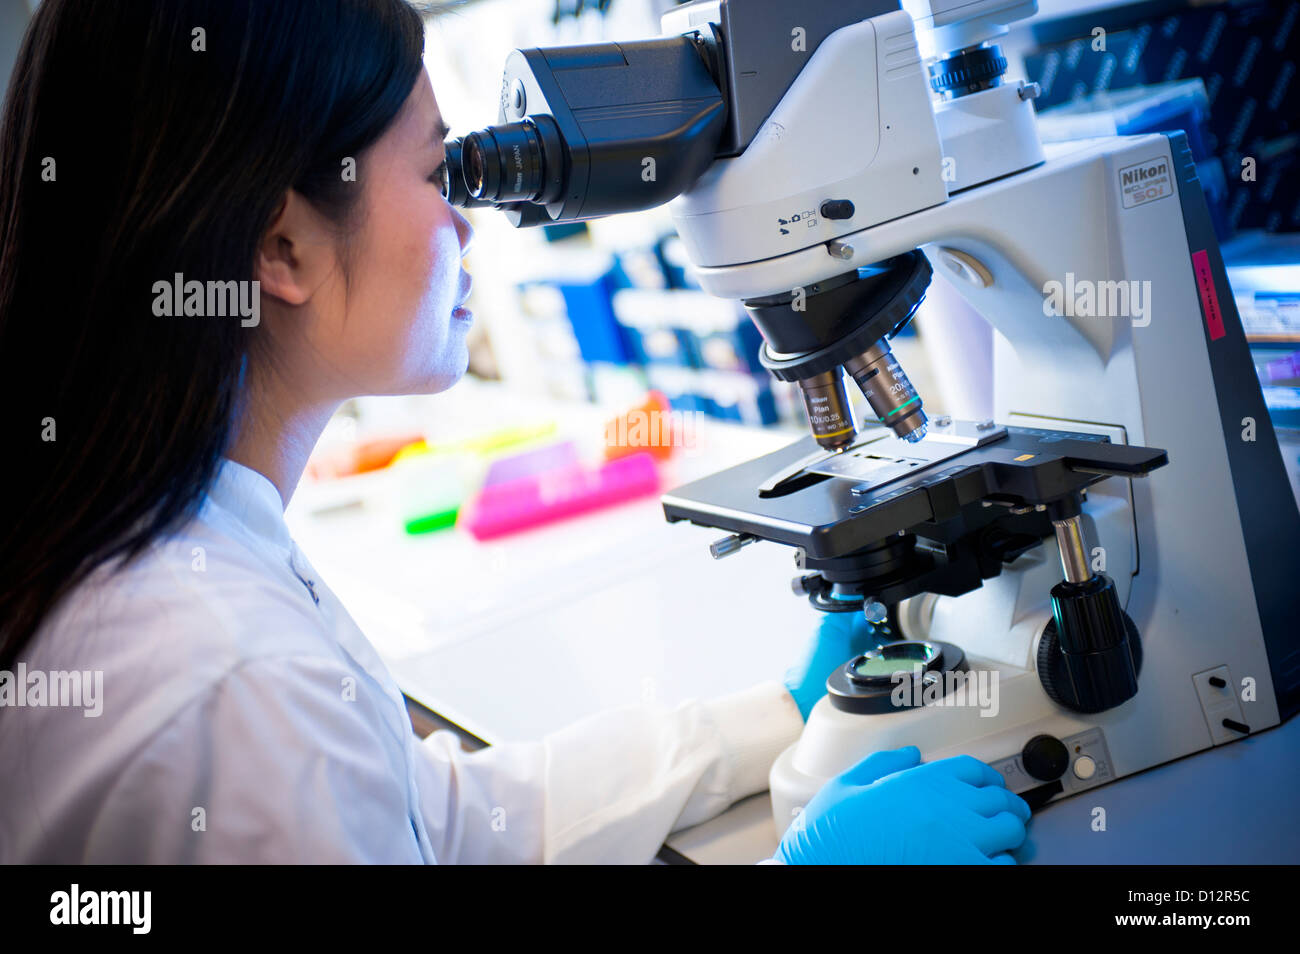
(439, 175)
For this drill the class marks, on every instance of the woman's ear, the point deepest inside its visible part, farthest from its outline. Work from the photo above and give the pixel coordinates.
(297, 252)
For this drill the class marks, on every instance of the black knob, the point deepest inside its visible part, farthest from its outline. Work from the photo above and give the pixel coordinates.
(1090, 655)
(837, 209)
(1046, 758)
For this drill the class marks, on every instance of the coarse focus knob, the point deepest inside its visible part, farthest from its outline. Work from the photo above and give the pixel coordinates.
(1045, 758)
(1090, 655)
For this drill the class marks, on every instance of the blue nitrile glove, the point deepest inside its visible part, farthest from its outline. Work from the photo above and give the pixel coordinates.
(839, 637)
(890, 810)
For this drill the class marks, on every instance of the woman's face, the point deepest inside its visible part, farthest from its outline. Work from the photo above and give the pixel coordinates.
(383, 309)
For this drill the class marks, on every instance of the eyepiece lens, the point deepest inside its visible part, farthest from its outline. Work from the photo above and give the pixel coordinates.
(475, 165)
(453, 179)
(454, 188)
(506, 163)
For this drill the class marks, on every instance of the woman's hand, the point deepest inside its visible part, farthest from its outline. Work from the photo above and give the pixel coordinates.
(888, 809)
(839, 637)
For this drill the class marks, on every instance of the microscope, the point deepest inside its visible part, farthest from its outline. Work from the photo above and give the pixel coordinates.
(1049, 593)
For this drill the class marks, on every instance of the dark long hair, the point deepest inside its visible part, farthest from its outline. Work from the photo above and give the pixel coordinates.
(141, 139)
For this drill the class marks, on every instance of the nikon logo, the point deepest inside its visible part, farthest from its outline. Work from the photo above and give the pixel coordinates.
(1142, 173)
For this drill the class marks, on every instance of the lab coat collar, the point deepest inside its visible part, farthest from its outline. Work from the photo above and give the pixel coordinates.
(253, 500)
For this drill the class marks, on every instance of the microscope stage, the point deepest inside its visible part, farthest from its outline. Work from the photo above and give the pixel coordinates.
(834, 504)
(878, 457)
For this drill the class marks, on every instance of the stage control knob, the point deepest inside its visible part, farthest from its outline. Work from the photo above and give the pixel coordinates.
(1045, 757)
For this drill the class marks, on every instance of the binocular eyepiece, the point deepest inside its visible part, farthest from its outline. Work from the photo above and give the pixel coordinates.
(505, 164)
(580, 125)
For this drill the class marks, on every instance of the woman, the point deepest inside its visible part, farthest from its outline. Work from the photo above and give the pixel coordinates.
(222, 218)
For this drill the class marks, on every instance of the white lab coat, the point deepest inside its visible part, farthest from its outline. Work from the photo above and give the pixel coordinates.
(243, 721)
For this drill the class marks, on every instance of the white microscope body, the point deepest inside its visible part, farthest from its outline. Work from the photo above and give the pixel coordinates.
(1108, 234)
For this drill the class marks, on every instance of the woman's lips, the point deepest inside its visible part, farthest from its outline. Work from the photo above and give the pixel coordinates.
(460, 311)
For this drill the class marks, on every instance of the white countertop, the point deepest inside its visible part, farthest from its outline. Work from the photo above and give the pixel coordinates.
(514, 638)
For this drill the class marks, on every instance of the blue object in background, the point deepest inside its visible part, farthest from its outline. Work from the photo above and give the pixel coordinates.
(1138, 110)
(767, 408)
(591, 312)
(730, 396)
(699, 351)
(564, 230)
(672, 346)
(731, 349)
(688, 401)
(672, 257)
(1243, 51)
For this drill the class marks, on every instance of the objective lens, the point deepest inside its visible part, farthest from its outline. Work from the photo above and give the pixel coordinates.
(829, 412)
(505, 163)
(888, 391)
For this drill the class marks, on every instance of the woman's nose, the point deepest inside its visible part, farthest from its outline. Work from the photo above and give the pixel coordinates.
(464, 230)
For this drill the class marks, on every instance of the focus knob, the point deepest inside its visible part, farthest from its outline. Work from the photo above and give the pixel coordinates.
(1045, 757)
(1090, 655)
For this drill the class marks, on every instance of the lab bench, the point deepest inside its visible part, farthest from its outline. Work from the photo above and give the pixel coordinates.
(513, 638)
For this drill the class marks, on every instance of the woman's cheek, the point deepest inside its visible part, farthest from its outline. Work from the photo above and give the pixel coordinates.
(445, 247)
